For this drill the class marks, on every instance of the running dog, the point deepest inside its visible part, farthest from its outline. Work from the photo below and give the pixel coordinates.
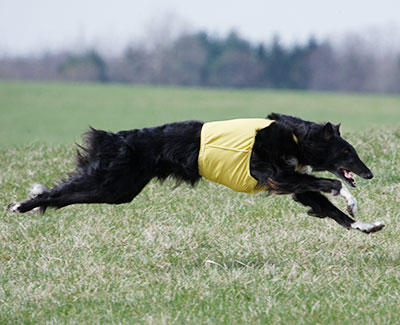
(276, 154)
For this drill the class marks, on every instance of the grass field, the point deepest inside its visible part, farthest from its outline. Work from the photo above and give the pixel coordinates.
(59, 113)
(201, 256)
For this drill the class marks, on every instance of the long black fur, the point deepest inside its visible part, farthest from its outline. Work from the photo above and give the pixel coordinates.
(114, 167)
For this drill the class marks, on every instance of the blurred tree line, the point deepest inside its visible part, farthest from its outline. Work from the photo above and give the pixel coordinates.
(199, 59)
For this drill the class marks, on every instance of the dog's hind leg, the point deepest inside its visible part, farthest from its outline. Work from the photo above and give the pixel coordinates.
(79, 190)
(322, 207)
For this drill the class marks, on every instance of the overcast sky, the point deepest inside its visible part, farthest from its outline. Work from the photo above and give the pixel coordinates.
(35, 25)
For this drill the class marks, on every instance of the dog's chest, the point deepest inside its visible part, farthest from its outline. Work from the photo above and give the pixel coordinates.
(298, 168)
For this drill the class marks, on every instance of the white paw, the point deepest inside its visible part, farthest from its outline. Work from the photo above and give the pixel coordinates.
(13, 207)
(367, 227)
(352, 208)
(37, 189)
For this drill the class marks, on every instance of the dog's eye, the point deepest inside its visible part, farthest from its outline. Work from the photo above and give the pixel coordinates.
(346, 151)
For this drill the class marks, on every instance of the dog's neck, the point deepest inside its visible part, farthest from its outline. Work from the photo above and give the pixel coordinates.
(303, 164)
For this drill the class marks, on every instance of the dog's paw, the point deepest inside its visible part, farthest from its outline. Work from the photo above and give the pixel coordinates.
(18, 208)
(352, 208)
(13, 207)
(368, 228)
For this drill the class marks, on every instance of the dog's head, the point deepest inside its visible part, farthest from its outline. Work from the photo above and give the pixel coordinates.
(326, 150)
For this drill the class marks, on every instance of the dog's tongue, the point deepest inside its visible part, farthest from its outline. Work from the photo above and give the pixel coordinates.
(348, 174)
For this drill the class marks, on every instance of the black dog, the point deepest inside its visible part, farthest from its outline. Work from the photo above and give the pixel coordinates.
(114, 168)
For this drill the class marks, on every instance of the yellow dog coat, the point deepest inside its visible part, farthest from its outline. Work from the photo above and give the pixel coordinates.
(225, 152)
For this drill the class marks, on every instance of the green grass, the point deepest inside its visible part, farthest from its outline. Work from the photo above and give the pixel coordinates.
(59, 113)
(201, 256)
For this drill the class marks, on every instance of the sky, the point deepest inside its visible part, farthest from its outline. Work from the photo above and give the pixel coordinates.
(34, 26)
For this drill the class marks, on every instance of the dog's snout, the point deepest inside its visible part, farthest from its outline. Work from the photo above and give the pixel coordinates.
(366, 175)
(369, 175)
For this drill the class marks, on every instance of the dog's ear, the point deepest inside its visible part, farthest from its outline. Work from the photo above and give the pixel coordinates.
(337, 127)
(328, 131)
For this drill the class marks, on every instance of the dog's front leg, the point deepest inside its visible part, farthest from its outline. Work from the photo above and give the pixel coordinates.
(322, 207)
(350, 199)
(299, 183)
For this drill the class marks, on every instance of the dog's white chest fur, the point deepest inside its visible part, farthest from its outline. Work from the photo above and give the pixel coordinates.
(293, 161)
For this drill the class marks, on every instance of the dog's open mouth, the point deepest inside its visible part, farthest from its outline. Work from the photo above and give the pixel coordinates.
(348, 176)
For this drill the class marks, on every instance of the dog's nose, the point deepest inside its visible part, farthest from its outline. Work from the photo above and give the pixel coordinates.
(369, 175)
